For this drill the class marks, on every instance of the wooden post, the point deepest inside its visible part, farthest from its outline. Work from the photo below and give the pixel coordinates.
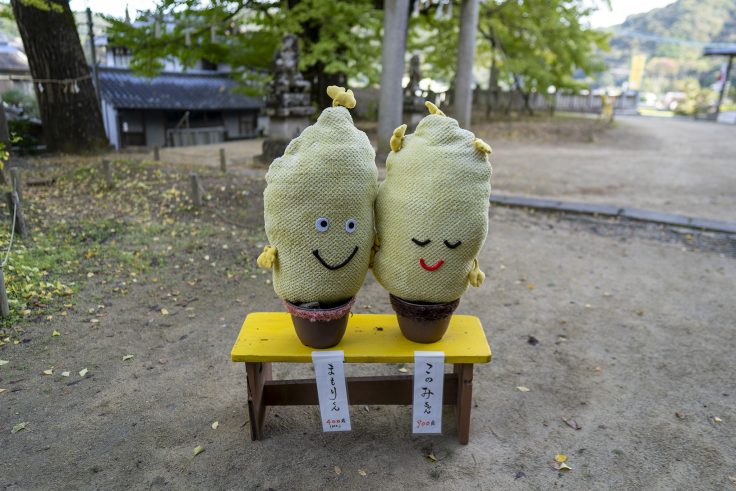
(15, 182)
(4, 306)
(223, 162)
(156, 155)
(258, 374)
(21, 228)
(107, 173)
(196, 194)
(464, 372)
(463, 100)
(390, 103)
(4, 139)
(724, 85)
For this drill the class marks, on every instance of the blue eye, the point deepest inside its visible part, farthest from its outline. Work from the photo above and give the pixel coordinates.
(350, 225)
(322, 224)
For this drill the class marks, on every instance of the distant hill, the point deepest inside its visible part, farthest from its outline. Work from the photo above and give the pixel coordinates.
(672, 38)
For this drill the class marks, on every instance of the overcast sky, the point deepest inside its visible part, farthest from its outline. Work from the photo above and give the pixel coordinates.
(620, 9)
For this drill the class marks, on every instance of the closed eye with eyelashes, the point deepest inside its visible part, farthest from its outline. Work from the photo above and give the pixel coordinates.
(452, 246)
(421, 243)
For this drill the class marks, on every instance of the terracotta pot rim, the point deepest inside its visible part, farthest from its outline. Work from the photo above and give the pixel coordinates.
(330, 314)
(423, 311)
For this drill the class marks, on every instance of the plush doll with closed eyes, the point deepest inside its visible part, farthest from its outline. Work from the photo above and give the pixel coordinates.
(431, 222)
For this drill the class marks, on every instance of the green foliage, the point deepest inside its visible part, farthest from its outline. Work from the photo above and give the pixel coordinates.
(697, 100)
(18, 98)
(336, 36)
(542, 43)
(701, 21)
(45, 5)
(535, 43)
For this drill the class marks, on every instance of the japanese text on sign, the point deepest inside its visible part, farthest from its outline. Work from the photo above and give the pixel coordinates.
(331, 389)
(429, 377)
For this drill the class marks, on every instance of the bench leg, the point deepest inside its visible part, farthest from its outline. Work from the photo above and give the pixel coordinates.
(258, 374)
(464, 372)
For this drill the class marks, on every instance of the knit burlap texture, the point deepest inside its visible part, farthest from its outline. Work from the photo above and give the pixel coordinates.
(318, 207)
(436, 192)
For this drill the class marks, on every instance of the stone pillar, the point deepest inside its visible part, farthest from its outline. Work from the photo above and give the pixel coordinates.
(463, 100)
(288, 104)
(395, 17)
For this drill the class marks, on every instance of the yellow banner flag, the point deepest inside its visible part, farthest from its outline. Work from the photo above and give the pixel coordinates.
(636, 72)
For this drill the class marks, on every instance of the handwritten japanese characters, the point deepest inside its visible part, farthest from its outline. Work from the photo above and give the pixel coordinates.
(429, 376)
(331, 390)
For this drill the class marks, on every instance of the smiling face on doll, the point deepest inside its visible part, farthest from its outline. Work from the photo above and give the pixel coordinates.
(318, 207)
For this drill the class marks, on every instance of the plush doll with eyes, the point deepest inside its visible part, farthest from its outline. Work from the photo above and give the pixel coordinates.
(432, 220)
(318, 207)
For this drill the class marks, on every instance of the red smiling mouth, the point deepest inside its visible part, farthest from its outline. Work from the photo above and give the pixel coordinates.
(431, 268)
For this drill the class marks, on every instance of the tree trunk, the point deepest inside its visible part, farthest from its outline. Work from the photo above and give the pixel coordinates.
(465, 55)
(320, 81)
(70, 113)
(391, 99)
(491, 99)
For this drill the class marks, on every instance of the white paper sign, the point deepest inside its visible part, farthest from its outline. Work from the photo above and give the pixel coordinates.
(429, 377)
(333, 395)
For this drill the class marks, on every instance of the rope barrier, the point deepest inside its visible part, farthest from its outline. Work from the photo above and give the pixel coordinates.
(61, 80)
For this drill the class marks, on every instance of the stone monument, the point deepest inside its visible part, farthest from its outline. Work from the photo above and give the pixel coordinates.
(288, 103)
(414, 109)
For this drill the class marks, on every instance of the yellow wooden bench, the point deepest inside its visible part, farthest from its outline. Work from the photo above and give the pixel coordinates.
(268, 337)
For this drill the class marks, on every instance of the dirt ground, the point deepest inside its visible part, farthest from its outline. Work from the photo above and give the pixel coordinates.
(668, 165)
(626, 329)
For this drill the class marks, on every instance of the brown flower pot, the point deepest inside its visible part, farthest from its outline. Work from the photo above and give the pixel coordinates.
(423, 322)
(320, 327)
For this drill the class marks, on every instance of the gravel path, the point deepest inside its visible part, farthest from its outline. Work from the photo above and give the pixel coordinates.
(668, 165)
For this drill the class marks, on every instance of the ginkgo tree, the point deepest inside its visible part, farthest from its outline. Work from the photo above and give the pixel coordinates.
(338, 39)
(527, 46)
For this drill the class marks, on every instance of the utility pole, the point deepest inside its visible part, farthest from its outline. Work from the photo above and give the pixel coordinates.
(93, 54)
(724, 85)
(463, 100)
(391, 100)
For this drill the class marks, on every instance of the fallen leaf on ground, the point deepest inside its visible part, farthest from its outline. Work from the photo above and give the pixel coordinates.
(50, 371)
(128, 357)
(56, 333)
(560, 457)
(215, 425)
(19, 427)
(164, 312)
(521, 388)
(431, 457)
(362, 472)
(4, 362)
(338, 471)
(198, 450)
(83, 372)
(564, 467)
(572, 423)
(65, 374)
